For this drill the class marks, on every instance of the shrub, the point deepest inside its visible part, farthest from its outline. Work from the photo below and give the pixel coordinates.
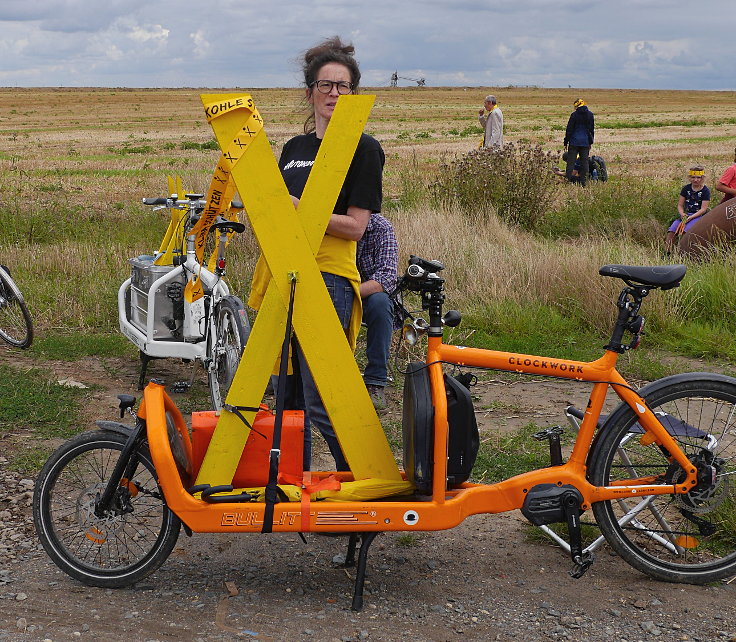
(515, 181)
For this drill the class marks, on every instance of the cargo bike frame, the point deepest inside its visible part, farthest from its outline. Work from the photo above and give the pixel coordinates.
(155, 314)
(657, 473)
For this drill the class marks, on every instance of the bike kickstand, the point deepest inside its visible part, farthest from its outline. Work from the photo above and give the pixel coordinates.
(366, 541)
(350, 555)
(145, 360)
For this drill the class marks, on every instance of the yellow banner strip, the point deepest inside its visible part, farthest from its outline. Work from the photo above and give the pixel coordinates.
(222, 189)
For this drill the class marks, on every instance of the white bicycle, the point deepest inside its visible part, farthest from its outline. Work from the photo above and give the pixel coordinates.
(156, 316)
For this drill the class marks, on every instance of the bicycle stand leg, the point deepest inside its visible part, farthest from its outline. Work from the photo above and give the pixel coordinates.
(145, 360)
(366, 541)
(350, 555)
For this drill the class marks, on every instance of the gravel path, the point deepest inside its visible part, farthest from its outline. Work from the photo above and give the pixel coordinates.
(481, 580)
(484, 580)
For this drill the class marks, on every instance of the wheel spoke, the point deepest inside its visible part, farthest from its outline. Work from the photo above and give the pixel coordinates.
(15, 321)
(129, 541)
(676, 537)
(231, 333)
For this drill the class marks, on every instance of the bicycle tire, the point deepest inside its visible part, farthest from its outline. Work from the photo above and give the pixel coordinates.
(670, 538)
(232, 329)
(16, 328)
(110, 552)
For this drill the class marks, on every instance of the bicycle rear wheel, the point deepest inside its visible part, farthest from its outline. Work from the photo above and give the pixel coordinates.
(16, 328)
(678, 538)
(120, 548)
(232, 329)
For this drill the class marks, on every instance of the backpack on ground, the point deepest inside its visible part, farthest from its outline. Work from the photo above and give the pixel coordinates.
(599, 165)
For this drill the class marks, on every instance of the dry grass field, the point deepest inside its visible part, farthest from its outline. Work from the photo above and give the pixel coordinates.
(109, 145)
(74, 164)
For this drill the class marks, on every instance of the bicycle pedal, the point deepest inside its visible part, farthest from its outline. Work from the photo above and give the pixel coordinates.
(547, 433)
(581, 565)
(180, 386)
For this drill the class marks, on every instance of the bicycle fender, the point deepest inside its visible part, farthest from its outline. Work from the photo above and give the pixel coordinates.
(115, 426)
(645, 392)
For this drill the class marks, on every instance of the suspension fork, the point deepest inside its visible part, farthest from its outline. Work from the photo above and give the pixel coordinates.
(124, 467)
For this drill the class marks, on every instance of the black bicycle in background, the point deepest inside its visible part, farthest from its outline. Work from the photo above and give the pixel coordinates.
(16, 327)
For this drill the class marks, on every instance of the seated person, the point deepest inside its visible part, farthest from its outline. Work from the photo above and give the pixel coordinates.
(693, 203)
(377, 259)
(596, 168)
(727, 182)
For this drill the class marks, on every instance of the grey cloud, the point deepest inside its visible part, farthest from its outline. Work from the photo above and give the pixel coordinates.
(71, 16)
(238, 43)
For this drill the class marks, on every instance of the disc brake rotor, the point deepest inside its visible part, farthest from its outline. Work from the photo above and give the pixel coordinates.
(96, 528)
(711, 490)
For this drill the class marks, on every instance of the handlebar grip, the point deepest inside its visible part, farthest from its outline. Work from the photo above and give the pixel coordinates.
(161, 200)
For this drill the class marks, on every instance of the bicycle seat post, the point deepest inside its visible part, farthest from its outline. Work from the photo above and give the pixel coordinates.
(629, 304)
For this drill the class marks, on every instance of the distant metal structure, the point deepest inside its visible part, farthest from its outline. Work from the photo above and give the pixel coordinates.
(421, 82)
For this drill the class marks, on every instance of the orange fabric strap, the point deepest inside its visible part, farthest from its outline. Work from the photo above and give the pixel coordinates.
(306, 501)
(308, 489)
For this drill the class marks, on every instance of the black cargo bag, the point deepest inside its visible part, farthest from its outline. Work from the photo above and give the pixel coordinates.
(417, 426)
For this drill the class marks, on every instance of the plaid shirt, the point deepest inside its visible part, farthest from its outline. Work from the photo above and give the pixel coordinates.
(377, 254)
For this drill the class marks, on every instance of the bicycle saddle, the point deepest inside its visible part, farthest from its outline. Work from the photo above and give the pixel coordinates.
(228, 226)
(657, 276)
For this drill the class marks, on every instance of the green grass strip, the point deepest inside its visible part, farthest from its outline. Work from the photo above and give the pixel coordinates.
(29, 399)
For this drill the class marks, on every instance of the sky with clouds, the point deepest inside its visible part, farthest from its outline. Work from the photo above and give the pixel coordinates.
(642, 44)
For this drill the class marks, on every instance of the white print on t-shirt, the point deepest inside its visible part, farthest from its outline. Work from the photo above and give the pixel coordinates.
(298, 163)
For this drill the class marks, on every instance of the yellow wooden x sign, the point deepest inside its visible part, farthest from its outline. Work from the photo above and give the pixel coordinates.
(289, 241)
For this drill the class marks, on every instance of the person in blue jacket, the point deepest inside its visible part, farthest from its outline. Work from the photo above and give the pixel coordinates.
(578, 140)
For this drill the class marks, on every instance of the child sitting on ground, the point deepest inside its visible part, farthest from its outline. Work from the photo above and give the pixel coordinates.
(693, 203)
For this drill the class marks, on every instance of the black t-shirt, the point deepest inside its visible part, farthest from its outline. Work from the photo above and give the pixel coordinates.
(362, 186)
(694, 198)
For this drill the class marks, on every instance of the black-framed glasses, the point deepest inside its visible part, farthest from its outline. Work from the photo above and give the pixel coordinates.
(325, 86)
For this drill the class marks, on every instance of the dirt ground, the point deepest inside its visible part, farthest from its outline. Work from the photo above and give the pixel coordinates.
(484, 580)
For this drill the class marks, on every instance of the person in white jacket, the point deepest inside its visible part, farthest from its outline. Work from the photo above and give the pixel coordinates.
(491, 119)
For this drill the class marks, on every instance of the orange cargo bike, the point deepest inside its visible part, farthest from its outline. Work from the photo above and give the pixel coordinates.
(657, 473)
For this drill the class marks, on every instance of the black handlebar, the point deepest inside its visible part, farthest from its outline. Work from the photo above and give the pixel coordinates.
(195, 199)
(421, 275)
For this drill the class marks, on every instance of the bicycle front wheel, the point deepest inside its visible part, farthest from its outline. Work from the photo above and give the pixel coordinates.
(232, 329)
(16, 328)
(677, 538)
(130, 541)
